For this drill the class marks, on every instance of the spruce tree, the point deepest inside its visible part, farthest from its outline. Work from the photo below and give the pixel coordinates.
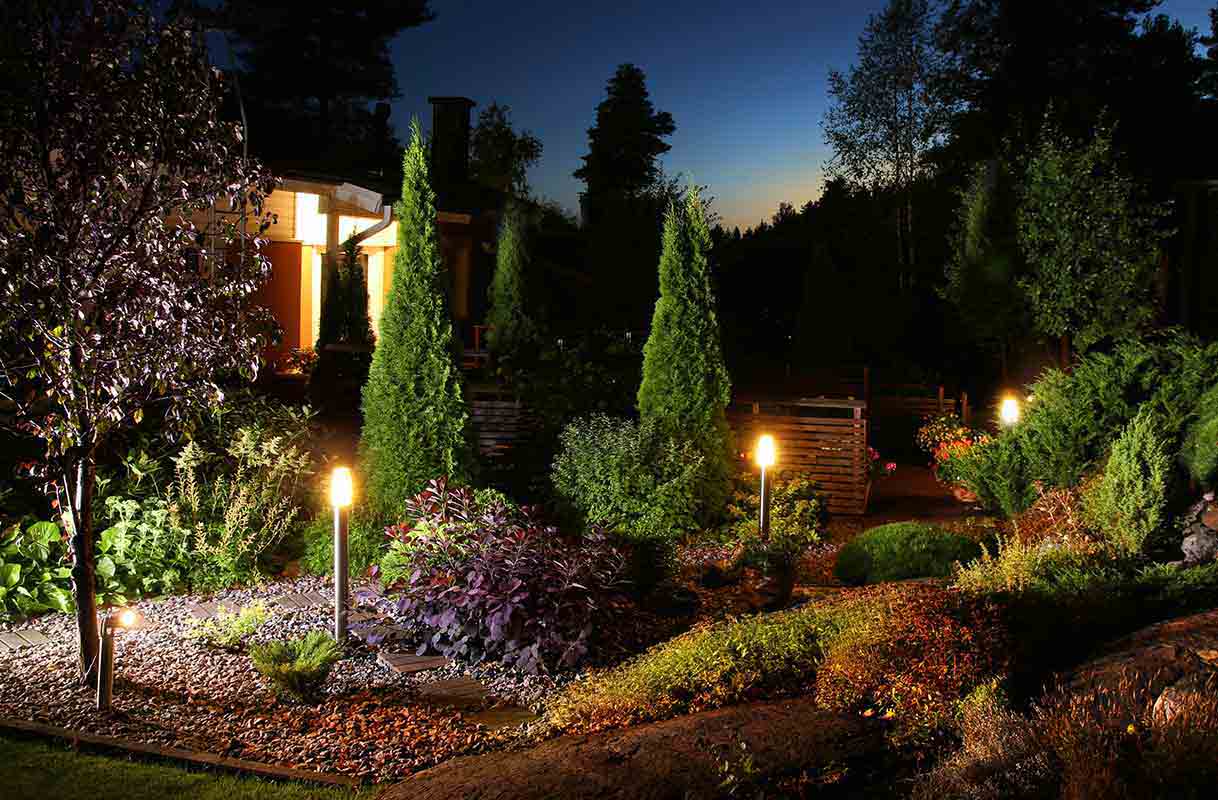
(414, 415)
(686, 387)
(512, 329)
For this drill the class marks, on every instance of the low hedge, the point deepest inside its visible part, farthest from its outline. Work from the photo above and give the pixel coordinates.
(902, 550)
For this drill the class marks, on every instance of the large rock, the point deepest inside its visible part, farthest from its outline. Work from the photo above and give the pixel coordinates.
(1200, 546)
(674, 759)
(1171, 660)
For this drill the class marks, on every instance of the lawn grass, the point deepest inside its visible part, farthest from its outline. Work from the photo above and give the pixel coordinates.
(38, 770)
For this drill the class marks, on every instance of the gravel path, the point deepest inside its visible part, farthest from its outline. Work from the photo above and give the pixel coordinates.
(175, 692)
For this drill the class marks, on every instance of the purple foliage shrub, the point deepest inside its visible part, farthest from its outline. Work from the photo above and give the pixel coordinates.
(491, 582)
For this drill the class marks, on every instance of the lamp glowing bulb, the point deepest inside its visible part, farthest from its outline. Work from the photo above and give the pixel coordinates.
(766, 452)
(128, 618)
(1008, 412)
(340, 487)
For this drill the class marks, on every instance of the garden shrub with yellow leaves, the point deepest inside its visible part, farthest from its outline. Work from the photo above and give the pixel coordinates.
(906, 652)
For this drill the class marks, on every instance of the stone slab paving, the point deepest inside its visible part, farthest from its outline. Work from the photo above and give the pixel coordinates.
(408, 663)
(456, 692)
(508, 717)
(21, 639)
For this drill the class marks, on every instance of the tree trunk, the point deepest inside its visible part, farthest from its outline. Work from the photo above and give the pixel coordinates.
(1064, 354)
(83, 581)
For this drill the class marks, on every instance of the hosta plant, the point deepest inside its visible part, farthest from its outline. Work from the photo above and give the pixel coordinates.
(34, 574)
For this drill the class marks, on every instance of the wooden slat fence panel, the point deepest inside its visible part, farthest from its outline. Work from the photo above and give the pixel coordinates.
(830, 450)
(500, 424)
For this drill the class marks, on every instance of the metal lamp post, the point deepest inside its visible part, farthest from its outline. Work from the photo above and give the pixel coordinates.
(765, 456)
(340, 498)
(127, 618)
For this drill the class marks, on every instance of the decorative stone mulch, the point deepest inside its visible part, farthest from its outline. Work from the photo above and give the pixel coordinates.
(374, 720)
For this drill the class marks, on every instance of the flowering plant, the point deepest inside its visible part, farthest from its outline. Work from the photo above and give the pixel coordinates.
(876, 468)
(945, 436)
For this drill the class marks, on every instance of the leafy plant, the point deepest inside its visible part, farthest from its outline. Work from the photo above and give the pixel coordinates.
(797, 517)
(34, 576)
(995, 470)
(1199, 453)
(1090, 238)
(238, 505)
(629, 477)
(487, 581)
(297, 668)
(1128, 503)
(230, 629)
(144, 550)
(414, 415)
(105, 321)
(366, 542)
(902, 550)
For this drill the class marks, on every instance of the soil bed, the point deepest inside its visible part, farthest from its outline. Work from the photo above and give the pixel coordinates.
(172, 691)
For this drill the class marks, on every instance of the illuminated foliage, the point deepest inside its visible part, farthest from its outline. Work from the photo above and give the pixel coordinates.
(114, 293)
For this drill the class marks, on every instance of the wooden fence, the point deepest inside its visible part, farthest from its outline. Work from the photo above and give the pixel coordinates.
(500, 422)
(824, 439)
(916, 401)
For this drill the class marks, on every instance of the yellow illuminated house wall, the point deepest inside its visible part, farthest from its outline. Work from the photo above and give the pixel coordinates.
(310, 225)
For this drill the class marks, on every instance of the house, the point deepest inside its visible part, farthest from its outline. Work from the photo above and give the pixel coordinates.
(315, 214)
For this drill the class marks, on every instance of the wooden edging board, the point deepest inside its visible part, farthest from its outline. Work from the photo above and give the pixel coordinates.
(95, 741)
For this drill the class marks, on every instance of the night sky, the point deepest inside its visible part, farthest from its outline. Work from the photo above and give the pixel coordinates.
(746, 88)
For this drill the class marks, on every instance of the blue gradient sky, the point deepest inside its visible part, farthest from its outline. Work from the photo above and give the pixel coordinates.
(746, 88)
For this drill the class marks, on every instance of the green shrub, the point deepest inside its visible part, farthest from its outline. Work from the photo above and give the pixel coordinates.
(1128, 503)
(228, 630)
(366, 542)
(298, 667)
(239, 505)
(902, 550)
(1072, 420)
(144, 550)
(685, 388)
(1019, 567)
(629, 477)
(1199, 453)
(913, 651)
(414, 415)
(797, 517)
(34, 571)
(996, 471)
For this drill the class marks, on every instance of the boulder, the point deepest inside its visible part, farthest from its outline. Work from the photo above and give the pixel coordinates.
(1200, 545)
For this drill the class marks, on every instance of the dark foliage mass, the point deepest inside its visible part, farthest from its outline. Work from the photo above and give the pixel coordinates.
(489, 581)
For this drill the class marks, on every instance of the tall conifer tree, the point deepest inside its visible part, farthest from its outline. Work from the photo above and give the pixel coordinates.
(414, 415)
(511, 327)
(686, 387)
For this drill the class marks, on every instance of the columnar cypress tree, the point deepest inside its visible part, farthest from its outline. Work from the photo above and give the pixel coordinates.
(414, 416)
(511, 327)
(332, 322)
(359, 324)
(685, 387)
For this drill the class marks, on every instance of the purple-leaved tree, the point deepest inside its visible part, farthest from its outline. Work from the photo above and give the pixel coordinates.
(130, 235)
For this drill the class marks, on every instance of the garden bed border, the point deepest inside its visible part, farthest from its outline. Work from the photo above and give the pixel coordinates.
(100, 742)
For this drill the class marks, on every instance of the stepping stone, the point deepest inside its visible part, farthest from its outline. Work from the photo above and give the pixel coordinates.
(203, 610)
(408, 663)
(11, 641)
(508, 717)
(292, 601)
(318, 598)
(33, 638)
(362, 616)
(457, 692)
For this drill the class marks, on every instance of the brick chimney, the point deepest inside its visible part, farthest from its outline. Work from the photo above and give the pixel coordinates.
(449, 144)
